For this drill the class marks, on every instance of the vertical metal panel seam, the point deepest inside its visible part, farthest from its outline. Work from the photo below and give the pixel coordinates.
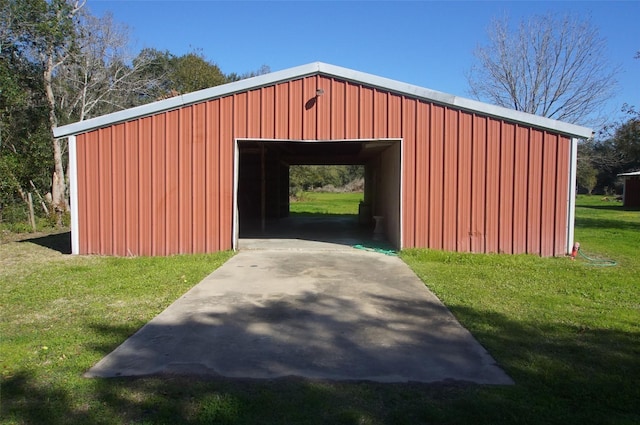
(541, 194)
(99, 194)
(417, 163)
(219, 171)
(526, 187)
(316, 109)
(443, 161)
(178, 174)
(458, 163)
(139, 172)
(554, 199)
(334, 102)
(525, 179)
(556, 170)
(499, 228)
(114, 165)
(165, 244)
(404, 113)
(127, 189)
(207, 174)
(153, 219)
(193, 225)
(472, 146)
(513, 188)
(486, 187)
(165, 173)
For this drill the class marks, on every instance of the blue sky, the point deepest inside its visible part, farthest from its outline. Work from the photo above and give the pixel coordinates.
(426, 43)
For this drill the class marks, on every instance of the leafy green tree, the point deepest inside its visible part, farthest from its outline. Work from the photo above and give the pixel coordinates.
(587, 177)
(307, 177)
(627, 140)
(25, 142)
(192, 72)
(43, 32)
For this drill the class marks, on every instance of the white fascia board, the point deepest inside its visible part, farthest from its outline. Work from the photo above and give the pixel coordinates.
(331, 71)
(634, 173)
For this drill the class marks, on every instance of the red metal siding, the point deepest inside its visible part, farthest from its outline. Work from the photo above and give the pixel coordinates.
(198, 173)
(464, 186)
(119, 189)
(296, 109)
(421, 229)
(534, 191)
(163, 185)
(436, 179)
(492, 185)
(450, 184)
(409, 148)
(352, 111)
(632, 191)
(212, 177)
(478, 184)
(172, 203)
(338, 108)
(158, 192)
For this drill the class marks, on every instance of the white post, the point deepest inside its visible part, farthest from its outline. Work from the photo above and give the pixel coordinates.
(73, 195)
(571, 210)
(235, 229)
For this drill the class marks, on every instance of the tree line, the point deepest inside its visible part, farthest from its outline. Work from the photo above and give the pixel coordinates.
(309, 177)
(61, 64)
(556, 66)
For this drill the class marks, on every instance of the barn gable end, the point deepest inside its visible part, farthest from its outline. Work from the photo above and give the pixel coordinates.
(159, 179)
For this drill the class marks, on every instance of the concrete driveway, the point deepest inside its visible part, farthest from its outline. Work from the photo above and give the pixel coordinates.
(322, 312)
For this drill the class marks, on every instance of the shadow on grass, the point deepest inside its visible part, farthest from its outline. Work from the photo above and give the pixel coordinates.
(565, 375)
(610, 207)
(60, 242)
(600, 223)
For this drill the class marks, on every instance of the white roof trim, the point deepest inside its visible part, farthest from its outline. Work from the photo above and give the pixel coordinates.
(332, 71)
(632, 174)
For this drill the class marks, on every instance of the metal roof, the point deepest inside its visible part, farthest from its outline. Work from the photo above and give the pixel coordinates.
(331, 71)
(634, 173)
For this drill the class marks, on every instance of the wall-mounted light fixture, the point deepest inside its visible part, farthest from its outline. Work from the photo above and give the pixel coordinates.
(319, 92)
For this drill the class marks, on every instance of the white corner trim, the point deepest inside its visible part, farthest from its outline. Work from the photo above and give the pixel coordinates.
(73, 195)
(571, 195)
(235, 225)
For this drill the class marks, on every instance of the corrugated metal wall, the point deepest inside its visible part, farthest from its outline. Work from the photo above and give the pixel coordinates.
(632, 191)
(163, 184)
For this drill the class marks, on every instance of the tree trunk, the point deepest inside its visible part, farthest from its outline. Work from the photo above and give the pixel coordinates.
(58, 185)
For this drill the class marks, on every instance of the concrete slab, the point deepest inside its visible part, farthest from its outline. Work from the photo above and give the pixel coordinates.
(340, 314)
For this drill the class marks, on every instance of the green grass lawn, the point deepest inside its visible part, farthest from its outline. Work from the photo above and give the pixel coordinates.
(326, 203)
(568, 333)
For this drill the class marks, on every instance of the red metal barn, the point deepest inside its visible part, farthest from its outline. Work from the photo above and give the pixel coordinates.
(179, 175)
(631, 191)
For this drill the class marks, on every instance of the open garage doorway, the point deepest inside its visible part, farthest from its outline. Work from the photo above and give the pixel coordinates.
(262, 193)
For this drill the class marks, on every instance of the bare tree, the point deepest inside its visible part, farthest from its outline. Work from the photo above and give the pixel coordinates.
(101, 75)
(549, 65)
